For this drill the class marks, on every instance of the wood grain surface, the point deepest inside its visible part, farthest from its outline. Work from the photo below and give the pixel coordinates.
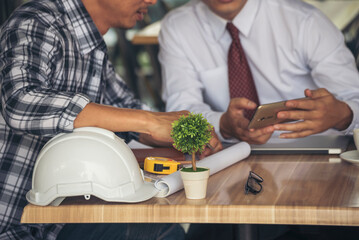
(297, 189)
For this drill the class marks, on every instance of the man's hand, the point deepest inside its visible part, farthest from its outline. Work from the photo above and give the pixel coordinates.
(160, 125)
(234, 124)
(317, 114)
(214, 146)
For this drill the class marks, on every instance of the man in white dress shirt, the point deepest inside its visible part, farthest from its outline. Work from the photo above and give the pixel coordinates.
(293, 51)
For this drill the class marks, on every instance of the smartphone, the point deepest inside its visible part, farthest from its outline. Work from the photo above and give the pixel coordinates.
(266, 114)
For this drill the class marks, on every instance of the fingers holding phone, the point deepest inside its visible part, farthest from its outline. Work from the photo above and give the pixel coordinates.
(233, 124)
(233, 119)
(258, 136)
(268, 114)
(318, 112)
(315, 113)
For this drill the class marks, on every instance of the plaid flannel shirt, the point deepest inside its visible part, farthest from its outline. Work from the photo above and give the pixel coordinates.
(53, 61)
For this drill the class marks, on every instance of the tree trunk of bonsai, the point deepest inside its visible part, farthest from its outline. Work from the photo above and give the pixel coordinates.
(194, 161)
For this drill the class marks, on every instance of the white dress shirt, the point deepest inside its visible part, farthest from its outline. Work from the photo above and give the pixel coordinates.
(290, 46)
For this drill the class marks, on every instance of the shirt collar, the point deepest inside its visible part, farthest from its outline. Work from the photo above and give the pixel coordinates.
(243, 21)
(85, 29)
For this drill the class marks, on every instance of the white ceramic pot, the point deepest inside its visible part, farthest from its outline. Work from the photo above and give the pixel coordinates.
(195, 183)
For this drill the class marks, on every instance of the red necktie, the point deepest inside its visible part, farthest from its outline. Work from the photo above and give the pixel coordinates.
(240, 78)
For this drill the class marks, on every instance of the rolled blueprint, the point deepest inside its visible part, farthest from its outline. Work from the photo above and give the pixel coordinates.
(216, 162)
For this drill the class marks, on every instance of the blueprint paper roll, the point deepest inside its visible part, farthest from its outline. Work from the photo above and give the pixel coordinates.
(216, 162)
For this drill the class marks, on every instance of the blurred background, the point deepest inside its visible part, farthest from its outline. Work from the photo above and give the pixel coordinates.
(134, 52)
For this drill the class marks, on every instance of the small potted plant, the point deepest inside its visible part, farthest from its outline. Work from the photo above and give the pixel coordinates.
(190, 134)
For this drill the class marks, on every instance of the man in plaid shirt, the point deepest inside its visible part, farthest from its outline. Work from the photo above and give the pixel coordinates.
(55, 76)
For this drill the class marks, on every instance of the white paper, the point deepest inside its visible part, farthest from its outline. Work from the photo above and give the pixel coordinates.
(133, 144)
(216, 162)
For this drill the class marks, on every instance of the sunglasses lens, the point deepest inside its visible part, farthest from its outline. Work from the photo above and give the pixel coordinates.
(253, 185)
(255, 176)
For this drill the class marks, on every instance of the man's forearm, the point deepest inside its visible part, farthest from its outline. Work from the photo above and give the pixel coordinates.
(113, 119)
(156, 124)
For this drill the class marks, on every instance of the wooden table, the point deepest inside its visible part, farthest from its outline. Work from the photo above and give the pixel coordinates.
(147, 35)
(297, 189)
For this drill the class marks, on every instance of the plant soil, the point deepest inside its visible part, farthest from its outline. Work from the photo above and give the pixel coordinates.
(199, 169)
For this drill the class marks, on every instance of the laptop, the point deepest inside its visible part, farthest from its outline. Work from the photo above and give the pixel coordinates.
(318, 144)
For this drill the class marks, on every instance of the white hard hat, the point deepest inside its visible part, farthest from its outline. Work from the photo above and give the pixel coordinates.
(88, 161)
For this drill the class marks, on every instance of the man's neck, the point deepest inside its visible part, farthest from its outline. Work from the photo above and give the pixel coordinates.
(94, 9)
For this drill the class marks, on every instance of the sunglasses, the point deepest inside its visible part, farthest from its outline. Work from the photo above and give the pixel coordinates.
(253, 184)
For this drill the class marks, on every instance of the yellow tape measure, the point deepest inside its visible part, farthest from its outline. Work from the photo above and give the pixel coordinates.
(161, 165)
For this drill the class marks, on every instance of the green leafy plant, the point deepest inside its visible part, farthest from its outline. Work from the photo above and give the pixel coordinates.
(190, 134)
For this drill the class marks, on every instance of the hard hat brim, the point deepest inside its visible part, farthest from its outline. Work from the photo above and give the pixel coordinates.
(145, 192)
